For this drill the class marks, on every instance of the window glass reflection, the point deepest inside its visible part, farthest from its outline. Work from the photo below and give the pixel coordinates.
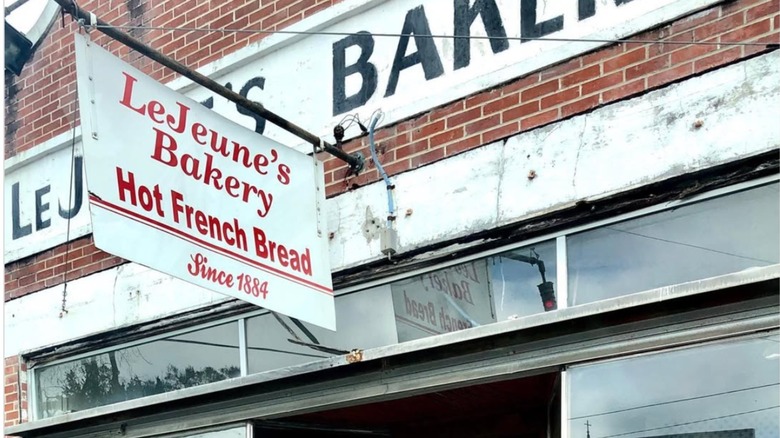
(710, 238)
(191, 359)
(726, 390)
(507, 286)
(518, 277)
(364, 320)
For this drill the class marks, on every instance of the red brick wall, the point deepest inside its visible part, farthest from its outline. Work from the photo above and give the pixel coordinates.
(49, 268)
(15, 404)
(612, 73)
(45, 96)
(576, 86)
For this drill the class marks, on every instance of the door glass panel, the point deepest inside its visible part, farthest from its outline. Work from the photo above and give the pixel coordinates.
(725, 390)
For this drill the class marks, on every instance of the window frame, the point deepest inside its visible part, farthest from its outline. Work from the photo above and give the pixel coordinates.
(558, 237)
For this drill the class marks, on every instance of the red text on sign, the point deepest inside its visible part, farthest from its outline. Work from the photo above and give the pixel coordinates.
(229, 232)
(299, 261)
(198, 267)
(150, 199)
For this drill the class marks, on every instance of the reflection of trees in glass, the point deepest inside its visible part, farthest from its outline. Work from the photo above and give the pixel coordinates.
(94, 382)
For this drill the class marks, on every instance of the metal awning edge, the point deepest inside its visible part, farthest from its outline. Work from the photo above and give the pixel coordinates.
(742, 278)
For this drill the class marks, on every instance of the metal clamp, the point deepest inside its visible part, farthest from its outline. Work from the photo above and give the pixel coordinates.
(319, 148)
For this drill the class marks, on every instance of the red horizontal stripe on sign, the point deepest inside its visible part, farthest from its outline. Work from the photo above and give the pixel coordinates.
(207, 245)
(417, 325)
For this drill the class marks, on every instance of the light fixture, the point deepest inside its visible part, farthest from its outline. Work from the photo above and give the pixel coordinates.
(546, 288)
(18, 49)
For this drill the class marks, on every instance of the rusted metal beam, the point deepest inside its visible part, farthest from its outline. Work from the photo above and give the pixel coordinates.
(355, 160)
(14, 6)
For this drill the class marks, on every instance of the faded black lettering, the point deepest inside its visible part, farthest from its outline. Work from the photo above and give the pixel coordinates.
(586, 9)
(465, 17)
(367, 71)
(258, 82)
(17, 230)
(78, 191)
(416, 23)
(529, 28)
(41, 207)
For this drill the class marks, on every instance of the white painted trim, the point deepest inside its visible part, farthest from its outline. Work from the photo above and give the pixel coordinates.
(564, 404)
(37, 152)
(562, 272)
(32, 396)
(242, 350)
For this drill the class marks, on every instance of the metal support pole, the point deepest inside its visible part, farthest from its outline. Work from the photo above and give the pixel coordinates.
(354, 160)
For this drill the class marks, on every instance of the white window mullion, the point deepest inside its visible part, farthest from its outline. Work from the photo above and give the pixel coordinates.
(562, 272)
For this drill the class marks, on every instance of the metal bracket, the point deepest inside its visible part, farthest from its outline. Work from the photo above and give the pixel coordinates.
(319, 148)
(359, 162)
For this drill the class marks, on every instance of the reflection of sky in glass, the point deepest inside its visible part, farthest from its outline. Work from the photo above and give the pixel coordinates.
(711, 238)
(514, 283)
(726, 386)
(365, 320)
(215, 347)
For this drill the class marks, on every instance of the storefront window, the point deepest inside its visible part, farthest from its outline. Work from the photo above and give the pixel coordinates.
(725, 390)
(191, 359)
(507, 286)
(706, 239)
(699, 240)
(364, 320)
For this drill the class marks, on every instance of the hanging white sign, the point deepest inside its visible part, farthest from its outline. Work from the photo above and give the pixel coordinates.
(180, 189)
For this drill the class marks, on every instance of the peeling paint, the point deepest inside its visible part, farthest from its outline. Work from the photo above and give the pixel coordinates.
(371, 226)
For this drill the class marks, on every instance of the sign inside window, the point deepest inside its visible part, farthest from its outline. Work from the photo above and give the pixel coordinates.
(177, 187)
(443, 301)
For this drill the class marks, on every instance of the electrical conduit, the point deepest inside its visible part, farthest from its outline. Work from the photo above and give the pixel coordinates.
(390, 206)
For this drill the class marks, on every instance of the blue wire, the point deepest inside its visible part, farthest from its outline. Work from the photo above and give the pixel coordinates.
(390, 206)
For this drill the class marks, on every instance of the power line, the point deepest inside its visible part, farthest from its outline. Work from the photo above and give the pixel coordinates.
(436, 36)
(691, 246)
(692, 422)
(271, 350)
(675, 401)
